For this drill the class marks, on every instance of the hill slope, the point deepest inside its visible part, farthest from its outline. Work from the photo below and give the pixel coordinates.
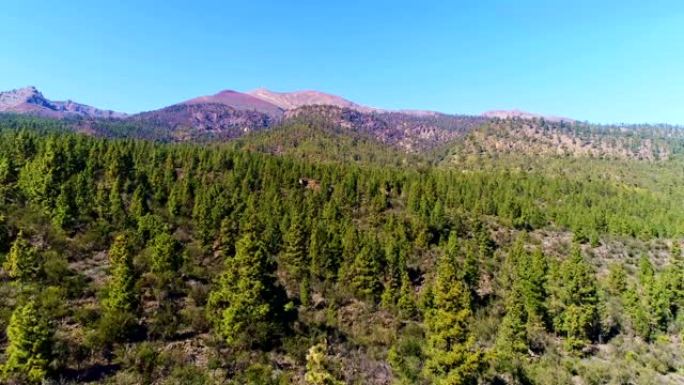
(238, 101)
(138, 262)
(539, 137)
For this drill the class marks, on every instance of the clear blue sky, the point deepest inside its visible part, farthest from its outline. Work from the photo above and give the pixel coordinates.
(602, 61)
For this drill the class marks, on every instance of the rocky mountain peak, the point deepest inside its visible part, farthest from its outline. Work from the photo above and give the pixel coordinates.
(16, 97)
(29, 100)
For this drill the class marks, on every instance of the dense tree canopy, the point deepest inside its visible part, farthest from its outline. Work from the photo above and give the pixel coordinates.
(138, 262)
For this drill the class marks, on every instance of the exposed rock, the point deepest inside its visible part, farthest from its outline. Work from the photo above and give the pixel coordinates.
(29, 100)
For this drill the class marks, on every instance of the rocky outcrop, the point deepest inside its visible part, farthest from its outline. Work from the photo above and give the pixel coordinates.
(29, 100)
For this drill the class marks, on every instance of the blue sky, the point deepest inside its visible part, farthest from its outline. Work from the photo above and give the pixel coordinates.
(602, 61)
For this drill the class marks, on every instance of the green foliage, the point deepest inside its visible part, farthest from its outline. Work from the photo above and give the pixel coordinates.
(406, 357)
(295, 254)
(121, 294)
(363, 274)
(166, 262)
(317, 372)
(120, 305)
(23, 262)
(138, 206)
(166, 254)
(243, 307)
(65, 211)
(654, 300)
(323, 144)
(512, 336)
(617, 279)
(451, 353)
(396, 262)
(29, 351)
(574, 299)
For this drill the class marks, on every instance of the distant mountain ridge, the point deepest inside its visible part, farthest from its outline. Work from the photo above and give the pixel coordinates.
(231, 114)
(239, 101)
(29, 100)
(296, 99)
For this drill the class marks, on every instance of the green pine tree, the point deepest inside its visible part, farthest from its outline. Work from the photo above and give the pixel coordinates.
(245, 308)
(29, 349)
(116, 210)
(317, 372)
(166, 254)
(364, 273)
(138, 206)
(574, 300)
(452, 357)
(512, 340)
(295, 254)
(23, 262)
(64, 213)
(122, 296)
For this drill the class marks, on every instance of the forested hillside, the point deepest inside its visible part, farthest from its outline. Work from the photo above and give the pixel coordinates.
(547, 138)
(283, 259)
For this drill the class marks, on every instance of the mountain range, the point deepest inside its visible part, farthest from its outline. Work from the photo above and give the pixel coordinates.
(31, 101)
(229, 115)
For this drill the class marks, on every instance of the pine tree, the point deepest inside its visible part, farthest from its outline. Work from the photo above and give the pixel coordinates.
(317, 372)
(452, 357)
(166, 260)
(406, 302)
(5, 170)
(305, 291)
(119, 320)
(574, 300)
(138, 206)
(245, 307)
(228, 236)
(172, 203)
(64, 213)
(438, 220)
(350, 244)
(648, 302)
(295, 254)
(469, 265)
(23, 262)
(661, 299)
(617, 279)
(639, 316)
(116, 210)
(532, 273)
(122, 296)
(523, 278)
(29, 349)
(396, 267)
(364, 273)
(166, 256)
(318, 253)
(511, 342)
(38, 179)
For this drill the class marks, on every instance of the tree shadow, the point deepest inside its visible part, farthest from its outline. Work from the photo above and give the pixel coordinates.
(97, 372)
